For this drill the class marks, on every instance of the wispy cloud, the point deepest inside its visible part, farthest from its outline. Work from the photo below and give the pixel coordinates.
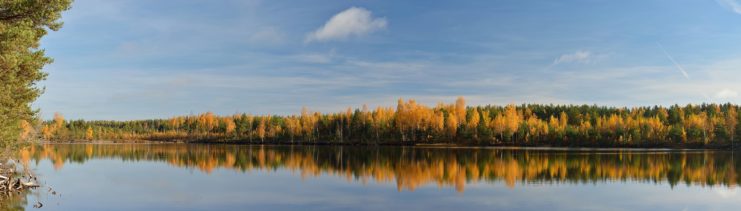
(316, 58)
(726, 94)
(269, 35)
(726, 193)
(679, 67)
(581, 56)
(733, 5)
(355, 21)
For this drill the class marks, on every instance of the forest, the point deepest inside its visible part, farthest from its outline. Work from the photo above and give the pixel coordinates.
(411, 123)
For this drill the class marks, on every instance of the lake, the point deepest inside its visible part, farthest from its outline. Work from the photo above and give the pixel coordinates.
(241, 177)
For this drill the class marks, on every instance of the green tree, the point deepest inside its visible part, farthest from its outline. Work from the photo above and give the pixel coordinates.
(22, 24)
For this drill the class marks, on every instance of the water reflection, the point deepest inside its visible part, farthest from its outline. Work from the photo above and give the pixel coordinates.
(14, 201)
(413, 167)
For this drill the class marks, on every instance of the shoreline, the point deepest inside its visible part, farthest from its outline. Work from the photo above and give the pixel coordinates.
(695, 147)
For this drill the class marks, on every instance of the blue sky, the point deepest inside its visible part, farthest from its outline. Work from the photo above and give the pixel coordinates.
(135, 59)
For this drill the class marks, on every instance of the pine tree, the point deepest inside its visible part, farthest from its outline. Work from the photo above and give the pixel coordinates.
(22, 25)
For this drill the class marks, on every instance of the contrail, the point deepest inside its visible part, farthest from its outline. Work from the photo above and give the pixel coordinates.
(684, 72)
(679, 67)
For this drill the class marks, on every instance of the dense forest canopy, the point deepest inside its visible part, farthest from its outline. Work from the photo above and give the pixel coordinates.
(22, 25)
(457, 123)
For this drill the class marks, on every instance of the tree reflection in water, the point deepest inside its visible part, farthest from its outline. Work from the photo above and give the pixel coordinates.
(15, 201)
(412, 167)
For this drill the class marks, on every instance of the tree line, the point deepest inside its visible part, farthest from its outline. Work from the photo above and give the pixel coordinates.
(413, 123)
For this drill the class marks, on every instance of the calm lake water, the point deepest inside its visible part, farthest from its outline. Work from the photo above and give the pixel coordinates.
(229, 177)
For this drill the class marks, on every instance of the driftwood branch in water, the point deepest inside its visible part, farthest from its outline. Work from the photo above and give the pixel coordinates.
(10, 184)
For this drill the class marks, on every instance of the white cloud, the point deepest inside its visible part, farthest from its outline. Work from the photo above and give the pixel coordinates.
(734, 5)
(580, 56)
(351, 22)
(726, 94)
(726, 193)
